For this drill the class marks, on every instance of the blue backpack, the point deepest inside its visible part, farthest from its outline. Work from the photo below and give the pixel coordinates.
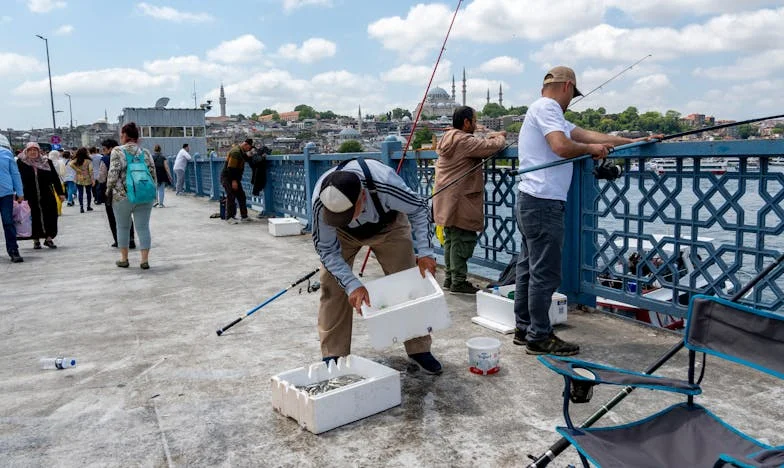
(139, 184)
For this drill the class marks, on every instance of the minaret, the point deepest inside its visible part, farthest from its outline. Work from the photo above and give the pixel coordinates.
(222, 101)
(453, 88)
(488, 95)
(464, 87)
(105, 116)
(501, 95)
(360, 119)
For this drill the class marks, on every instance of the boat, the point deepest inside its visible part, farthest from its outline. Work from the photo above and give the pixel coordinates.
(715, 166)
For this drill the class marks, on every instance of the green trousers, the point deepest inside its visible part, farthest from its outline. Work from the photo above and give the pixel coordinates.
(458, 248)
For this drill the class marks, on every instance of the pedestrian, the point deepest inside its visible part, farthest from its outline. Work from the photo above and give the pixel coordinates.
(180, 164)
(11, 191)
(546, 137)
(59, 167)
(106, 149)
(95, 159)
(231, 178)
(41, 185)
(162, 175)
(366, 203)
(83, 166)
(69, 177)
(123, 208)
(460, 209)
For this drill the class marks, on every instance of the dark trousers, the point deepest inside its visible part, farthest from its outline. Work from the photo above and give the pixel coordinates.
(113, 222)
(9, 228)
(459, 246)
(99, 190)
(541, 225)
(234, 197)
(82, 189)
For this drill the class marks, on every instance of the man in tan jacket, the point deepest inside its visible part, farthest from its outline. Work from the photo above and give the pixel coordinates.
(460, 209)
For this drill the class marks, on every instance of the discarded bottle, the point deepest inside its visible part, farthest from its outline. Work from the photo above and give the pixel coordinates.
(496, 290)
(57, 363)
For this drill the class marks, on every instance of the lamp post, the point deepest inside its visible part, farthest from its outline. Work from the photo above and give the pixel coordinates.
(70, 111)
(48, 67)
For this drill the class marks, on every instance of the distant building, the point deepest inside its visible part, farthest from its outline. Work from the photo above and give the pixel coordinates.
(222, 101)
(438, 103)
(289, 116)
(170, 128)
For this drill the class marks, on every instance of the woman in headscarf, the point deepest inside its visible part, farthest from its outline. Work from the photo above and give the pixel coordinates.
(41, 185)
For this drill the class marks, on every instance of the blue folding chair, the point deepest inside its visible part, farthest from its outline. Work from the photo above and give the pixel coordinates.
(685, 434)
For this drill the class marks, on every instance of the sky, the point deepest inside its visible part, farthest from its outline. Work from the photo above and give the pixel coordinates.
(717, 57)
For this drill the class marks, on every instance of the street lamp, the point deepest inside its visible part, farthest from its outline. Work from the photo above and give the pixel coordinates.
(70, 110)
(48, 66)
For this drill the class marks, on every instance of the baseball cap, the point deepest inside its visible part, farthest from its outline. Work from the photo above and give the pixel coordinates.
(339, 193)
(562, 75)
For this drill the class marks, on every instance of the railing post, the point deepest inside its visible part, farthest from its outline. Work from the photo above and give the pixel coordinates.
(579, 246)
(311, 177)
(197, 169)
(215, 164)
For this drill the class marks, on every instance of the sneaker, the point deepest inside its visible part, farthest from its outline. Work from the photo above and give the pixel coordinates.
(122, 263)
(232, 221)
(463, 288)
(155, 205)
(246, 220)
(49, 243)
(36, 245)
(89, 208)
(81, 209)
(519, 338)
(161, 205)
(552, 345)
(427, 362)
(448, 284)
(16, 258)
(114, 245)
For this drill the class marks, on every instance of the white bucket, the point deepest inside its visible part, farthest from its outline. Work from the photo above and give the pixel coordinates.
(483, 355)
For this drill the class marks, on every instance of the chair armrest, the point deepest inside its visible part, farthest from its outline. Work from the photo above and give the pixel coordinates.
(590, 372)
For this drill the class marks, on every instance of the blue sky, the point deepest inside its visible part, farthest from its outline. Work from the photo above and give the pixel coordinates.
(718, 57)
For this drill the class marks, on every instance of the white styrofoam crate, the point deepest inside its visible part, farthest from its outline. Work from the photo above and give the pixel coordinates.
(380, 390)
(284, 227)
(403, 306)
(496, 312)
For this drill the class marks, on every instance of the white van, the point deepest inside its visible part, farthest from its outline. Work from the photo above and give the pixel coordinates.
(4, 142)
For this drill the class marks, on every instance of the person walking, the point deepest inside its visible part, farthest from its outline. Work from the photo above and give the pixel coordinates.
(68, 177)
(546, 137)
(106, 149)
(366, 203)
(180, 164)
(95, 159)
(231, 178)
(162, 175)
(123, 208)
(59, 167)
(83, 166)
(11, 191)
(41, 185)
(460, 209)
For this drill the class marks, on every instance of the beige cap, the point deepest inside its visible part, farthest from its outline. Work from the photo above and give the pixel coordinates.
(562, 75)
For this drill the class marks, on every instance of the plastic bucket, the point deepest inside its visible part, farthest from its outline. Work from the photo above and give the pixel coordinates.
(483, 355)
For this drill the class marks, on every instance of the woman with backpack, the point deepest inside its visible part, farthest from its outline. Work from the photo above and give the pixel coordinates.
(131, 182)
(162, 174)
(84, 179)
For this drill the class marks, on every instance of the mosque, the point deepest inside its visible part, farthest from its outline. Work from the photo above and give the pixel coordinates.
(439, 102)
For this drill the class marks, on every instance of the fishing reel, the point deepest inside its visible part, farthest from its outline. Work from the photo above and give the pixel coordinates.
(312, 287)
(607, 170)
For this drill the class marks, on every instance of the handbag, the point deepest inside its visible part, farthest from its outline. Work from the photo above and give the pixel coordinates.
(23, 220)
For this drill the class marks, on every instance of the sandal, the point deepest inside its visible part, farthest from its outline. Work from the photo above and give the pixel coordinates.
(123, 263)
(50, 243)
(145, 265)
(37, 245)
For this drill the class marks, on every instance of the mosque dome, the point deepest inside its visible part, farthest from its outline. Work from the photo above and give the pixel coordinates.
(438, 93)
(349, 133)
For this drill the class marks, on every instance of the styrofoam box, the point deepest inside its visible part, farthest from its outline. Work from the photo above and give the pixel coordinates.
(496, 312)
(403, 306)
(380, 390)
(284, 227)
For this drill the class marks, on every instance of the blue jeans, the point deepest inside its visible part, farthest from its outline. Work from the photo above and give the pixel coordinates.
(123, 210)
(161, 192)
(541, 225)
(70, 188)
(9, 228)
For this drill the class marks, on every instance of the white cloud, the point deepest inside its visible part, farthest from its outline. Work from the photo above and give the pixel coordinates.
(667, 10)
(15, 64)
(98, 82)
(44, 6)
(502, 64)
(243, 49)
(730, 32)
(64, 30)
(754, 66)
(653, 83)
(761, 97)
(166, 13)
(290, 5)
(489, 21)
(187, 65)
(418, 75)
(312, 50)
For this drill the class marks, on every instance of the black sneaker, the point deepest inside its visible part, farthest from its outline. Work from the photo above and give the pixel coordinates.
(552, 345)
(463, 288)
(448, 284)
(89, 208)
(427, 362)
(16, 258)
(519, 338)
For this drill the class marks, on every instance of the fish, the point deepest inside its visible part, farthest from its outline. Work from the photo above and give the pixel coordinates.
(332, 384)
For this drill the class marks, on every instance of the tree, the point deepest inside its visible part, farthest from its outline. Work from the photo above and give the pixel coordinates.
(521, 110)
(306, 135)
(328, 115)
(493, 110)
(423, 135)
(306, 112)
(514, 127)
(241, 117)
(254, 116)
(747, 130)
(268, 111)
(275, 117)
(398, 113)
(350, 146)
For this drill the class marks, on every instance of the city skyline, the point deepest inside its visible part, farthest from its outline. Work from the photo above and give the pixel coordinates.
(340, 54)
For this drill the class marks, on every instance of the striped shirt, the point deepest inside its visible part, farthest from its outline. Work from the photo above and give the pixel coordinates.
(394, 195)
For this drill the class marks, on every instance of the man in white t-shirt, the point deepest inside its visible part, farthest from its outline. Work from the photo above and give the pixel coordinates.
(546, 137)
(180, 163)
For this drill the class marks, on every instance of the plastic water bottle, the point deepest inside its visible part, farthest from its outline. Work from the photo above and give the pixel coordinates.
(58, 363)
(496, 291)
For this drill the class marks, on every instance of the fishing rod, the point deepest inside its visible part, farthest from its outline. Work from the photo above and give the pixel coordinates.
(562, 444)
(419, 112)
(280, 293)
(639, 143)
(611, 79)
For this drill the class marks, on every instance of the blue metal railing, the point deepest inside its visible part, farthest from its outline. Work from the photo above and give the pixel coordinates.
(694, 231)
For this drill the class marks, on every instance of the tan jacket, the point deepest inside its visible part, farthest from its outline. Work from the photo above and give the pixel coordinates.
(461, 205)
